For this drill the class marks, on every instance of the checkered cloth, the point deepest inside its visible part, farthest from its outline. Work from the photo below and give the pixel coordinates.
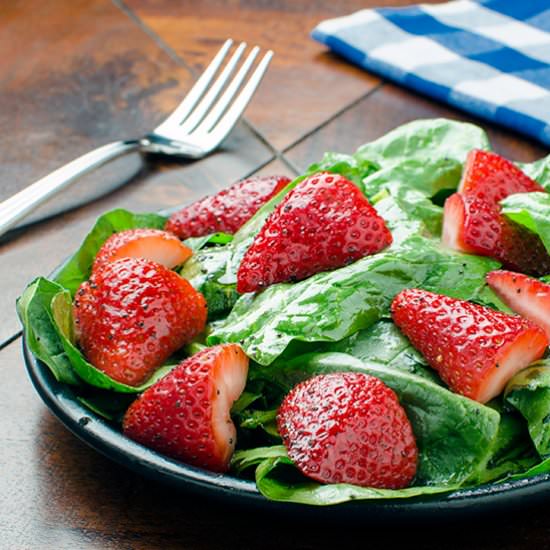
(490, 58)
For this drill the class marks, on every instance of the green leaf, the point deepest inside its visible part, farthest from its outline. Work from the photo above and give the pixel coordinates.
(425, 155)
(277, 479)
(41, 334)
(512, 451)
(538, 170)
(253, 419)
(529, 393)
(332, 305)
(531, 210)
(203, 271)
(78, 268)
(384, 343)
(455, 435)
(244, 459)
(197, 243)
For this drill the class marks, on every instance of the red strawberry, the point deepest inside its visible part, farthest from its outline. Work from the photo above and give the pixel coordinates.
(348, 428)
(325, 222)
(475, 349)
(226, 211)
(186, 414)
(152, 244)
(490, 177)
(527, 296)
(133, 314)
(473, 222)
(474, 226)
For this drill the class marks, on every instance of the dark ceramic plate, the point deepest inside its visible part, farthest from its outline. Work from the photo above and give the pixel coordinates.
(107, 439)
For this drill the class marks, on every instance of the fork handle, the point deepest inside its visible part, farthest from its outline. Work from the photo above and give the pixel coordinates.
(22, 203)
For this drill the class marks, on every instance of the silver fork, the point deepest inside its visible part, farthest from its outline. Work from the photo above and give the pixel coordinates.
(194, 129)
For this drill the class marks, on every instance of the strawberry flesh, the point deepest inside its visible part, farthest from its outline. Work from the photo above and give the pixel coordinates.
(475, 349)
(348, 428)
(454, 221)
(525, 295)
(324, 223)
(226, 211)
(132, 315)
(186, 414)
(152, 244)
(473, 222)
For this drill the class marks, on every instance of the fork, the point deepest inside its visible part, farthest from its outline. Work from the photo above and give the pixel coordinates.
(195, 128)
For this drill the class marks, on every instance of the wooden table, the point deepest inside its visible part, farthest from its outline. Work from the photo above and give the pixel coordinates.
(79, 73)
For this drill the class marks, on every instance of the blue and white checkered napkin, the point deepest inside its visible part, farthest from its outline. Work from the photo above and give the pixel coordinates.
(490, 58)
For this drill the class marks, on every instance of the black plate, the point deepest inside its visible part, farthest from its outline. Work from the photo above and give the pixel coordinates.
(106, 439)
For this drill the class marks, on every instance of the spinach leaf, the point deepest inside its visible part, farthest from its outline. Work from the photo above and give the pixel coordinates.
(278, 479)
(78, 268)
(513, 451)
(531, 210)
(332, 305)
(197, 243)
(384, 343)
(538, 170)
(455, 435)
(529, 393)
(41, 333)
(425, 155)
(203, 271)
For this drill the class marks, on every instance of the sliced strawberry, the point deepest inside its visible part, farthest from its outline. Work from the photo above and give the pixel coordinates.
(226, 211)
(491, 178)
(325, 222)
(152, 244)
(527, 296)
(473, 222)
(348, 428)
(133, 314)
(454, 221)
(475, 349)
(474, 226)
(186, 414)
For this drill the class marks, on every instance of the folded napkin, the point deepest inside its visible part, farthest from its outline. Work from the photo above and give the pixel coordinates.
(490, 58)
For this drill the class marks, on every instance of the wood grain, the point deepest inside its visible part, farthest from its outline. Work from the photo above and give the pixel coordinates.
(387, 108)
(304, 86)
(75, 75)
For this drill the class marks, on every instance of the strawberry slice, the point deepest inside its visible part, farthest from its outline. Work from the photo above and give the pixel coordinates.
(348, 428)
(186, 414)
(527, 296)
(475, 226)
(490, 177)
(475, 349)
(324, 223)
(152, 244)
(226, 211)
(473, 223)
(133, 314)
(454, 223)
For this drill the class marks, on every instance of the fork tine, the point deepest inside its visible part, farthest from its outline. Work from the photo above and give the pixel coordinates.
(225, 125)
(208, 123)
(202, 108)
(196, 92)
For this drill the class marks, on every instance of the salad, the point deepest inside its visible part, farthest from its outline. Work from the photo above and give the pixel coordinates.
(334, 320)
